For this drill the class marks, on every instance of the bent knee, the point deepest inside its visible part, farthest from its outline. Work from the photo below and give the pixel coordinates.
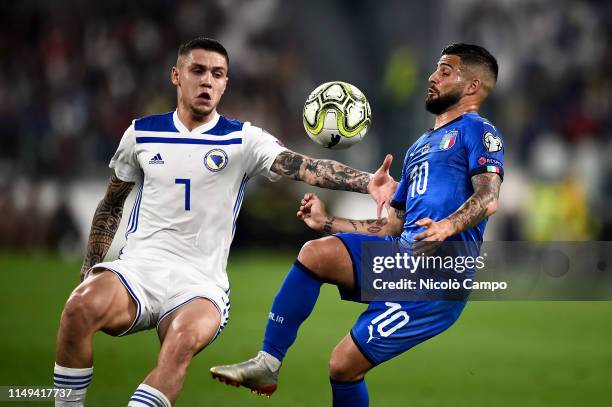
(184, 344)
(82, 311)
(307, 255)
(341, 369)
(321, 254)
(94, 301)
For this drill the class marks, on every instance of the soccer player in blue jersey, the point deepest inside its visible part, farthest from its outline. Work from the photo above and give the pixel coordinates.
(449, 188)
(191, 167)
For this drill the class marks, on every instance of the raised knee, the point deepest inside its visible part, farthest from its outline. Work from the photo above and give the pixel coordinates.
(307, 252)
(313, 255)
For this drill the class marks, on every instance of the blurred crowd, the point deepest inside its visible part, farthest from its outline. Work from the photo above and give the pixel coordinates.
(554, 103)
(74, 74)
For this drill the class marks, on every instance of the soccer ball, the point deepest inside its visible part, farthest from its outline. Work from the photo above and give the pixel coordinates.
(336, 115)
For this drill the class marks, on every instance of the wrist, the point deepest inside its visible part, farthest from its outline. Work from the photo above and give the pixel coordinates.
(328, 226)
(369, 184)
(448, 227)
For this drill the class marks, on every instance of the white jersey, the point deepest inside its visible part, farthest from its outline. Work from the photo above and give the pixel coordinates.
(190, 186)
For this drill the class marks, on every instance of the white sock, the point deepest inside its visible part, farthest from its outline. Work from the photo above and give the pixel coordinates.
(271, 362)
(74, 383)
(147, 396)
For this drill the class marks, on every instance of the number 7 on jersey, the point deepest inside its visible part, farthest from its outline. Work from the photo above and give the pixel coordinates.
(187, 183)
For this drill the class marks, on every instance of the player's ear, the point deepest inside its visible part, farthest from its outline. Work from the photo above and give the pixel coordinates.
(174, 76)
(473, 86)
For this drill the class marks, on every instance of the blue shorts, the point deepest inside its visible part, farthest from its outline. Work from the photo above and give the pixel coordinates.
(386, 329)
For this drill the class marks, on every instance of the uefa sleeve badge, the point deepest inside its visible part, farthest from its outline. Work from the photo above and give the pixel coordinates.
(492, 142)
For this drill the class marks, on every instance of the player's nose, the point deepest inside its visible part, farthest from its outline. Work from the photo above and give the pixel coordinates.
(206, 80)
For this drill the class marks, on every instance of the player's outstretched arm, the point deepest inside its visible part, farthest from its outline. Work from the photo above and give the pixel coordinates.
(331, 174)
(482, 204)
(313, 212)
(105, 222)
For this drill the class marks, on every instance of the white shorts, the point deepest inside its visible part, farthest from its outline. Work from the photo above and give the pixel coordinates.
(161, 288)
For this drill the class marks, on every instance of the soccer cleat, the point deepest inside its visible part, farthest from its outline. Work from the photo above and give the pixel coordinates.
(253, 374)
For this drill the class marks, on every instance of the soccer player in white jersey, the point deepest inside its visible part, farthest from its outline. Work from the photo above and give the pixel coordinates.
(191, 167)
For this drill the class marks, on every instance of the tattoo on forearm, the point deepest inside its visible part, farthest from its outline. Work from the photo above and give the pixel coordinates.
(328, 227)
(474, 210)
(378, 227)
(374, 225)
(106, 221)
(322, 173)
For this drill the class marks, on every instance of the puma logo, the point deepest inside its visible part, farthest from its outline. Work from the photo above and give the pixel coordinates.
(371, 334)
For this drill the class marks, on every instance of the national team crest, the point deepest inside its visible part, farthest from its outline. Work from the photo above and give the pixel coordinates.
(215, 160)
(448, 140)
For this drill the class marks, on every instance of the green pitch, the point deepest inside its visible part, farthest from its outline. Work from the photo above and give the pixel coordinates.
(498, 354)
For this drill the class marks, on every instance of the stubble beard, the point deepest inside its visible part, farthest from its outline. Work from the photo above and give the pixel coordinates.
(442, 103)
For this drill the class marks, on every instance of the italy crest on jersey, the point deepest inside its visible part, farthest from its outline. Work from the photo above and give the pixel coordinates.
(215, 160)
(448, 140)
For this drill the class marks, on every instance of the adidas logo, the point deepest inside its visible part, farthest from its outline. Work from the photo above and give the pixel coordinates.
(157, 159)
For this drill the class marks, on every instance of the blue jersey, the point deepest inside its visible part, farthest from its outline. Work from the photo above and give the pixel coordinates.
(437, 172)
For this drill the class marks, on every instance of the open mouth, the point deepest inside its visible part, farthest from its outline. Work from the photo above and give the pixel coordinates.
(204, 96)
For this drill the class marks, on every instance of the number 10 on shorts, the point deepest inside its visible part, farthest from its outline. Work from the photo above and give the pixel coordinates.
(387, 318)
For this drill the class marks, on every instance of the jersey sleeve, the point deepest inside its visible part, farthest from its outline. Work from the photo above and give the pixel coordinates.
(401, 193)
(263, 148)
(485, 150)
(124, 162)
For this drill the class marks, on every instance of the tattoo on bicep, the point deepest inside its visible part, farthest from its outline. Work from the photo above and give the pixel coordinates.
(118, 190)
(106, 220)
(352, 222)
(328, 227)
(489, 183)
(473, 211)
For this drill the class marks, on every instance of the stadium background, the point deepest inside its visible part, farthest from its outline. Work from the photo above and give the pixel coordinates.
(73, 74)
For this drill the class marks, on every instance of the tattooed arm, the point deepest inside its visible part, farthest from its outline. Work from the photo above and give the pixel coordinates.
(313, 213)
(334, 175)
(105, 222)
(481, 205)
(321, 173)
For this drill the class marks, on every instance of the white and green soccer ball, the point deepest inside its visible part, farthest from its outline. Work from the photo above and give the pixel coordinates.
(337, 115)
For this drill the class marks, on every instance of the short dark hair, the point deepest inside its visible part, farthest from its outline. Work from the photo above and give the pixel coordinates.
(473, 54)
(204, 43)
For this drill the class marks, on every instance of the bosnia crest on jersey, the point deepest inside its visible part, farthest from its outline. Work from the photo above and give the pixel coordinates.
(215, 160)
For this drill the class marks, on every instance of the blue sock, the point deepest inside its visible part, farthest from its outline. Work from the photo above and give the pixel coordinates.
(350, 394)
(292, 305)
